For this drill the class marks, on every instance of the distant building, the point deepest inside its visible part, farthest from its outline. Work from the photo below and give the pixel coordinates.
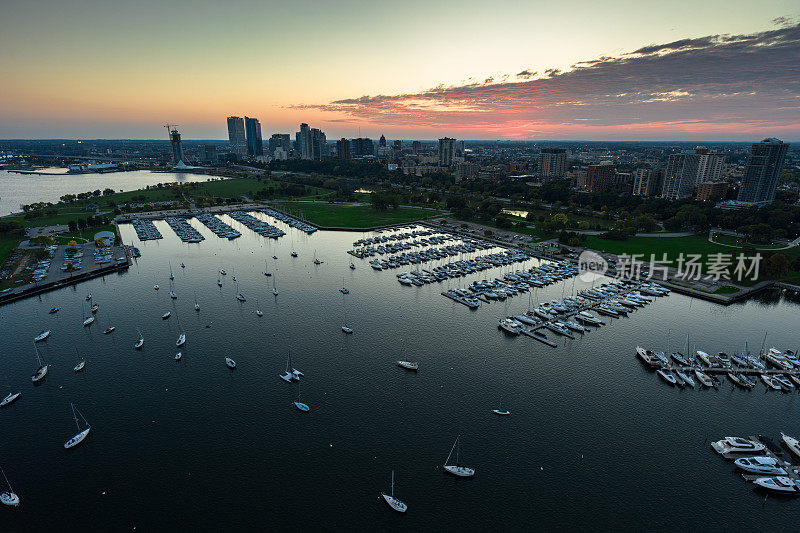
(175, 144)
(685, 171)
(762, 172)
(255, 146)
(466, 171)
(236, 136)
(279, 140)
(601, 177)
(553, 163)
(382, 141)
(712, 191)
(447, 148)
(208, 153)
(647, 182)
(280, 154)
(361, 147)
(343, 148)
(304, 141)
(416, 147)
(319, 144)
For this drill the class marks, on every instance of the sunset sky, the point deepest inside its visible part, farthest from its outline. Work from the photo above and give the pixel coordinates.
(612, 70)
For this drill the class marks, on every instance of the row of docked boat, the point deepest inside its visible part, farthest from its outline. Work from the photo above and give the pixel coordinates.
(290, 220)
(259, 226)
(378, 239)
(758, 459)
(146, 230)
(184, 230)
(466, 246)
(220, 229)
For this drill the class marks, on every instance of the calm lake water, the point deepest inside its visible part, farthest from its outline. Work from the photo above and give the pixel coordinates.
(595, 441)
(22, 189)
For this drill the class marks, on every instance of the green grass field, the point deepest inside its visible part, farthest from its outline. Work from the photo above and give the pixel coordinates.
(730, 240)
(7, 245)
(360, 216)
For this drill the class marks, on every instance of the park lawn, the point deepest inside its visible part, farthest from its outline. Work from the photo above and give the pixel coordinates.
(65, 214)
(734, 241)
(85, 235)
(7, 245)
(358, 216)
(672, 246)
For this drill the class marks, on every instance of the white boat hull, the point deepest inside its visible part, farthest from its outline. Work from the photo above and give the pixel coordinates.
(460, 471)
(394, 503)
(77, 439)
(9, 498)
(9, 399)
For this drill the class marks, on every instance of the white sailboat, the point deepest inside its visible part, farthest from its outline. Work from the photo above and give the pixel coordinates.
(393, 502)
(291, 372)
(456, 469)
(196, 305)
(139, 341)
(239, 295)
(500, 410)
(81, 362)
(219, 282)
(9, 498)
(11, 395)
(230, 362)
(181, 340)
(166, 315)
(178, 356)
(87, 321)
(347, 329)
(81, 434)
(41, 336)
(171, 275)
(258, 309)
(41, 372)
(316, 261)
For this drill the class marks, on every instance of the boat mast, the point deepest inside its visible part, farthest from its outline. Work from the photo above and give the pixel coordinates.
(10, 488)
(451, 451)
(392, 484)
(75, 417)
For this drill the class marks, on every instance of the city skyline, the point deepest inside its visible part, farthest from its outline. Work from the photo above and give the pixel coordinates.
(722, 74)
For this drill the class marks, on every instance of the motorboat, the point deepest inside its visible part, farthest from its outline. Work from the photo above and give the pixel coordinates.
(109, 329)
(508, 326)
(352, 266)
(347, 329)
(178, 356)
(685, 377)
(88, 297)
(760, 465)
(173, 295)
(293, 254)
(737, 445)
(456, 469)
(222, 271)
(792, 443)
(770, 382)
(54, 310)
(393, 502)
(139, 343)
(259, 313)
(344, 291)
(219, 282)
(230, 362)
(88, 321)
(704, 378)
(41, 336)
(94, 308)
(155, 286)
(783, 382)
(181, 340)
(409, 365)
(667, 376)
(183, 265)
(781, 484)
(10, 398)
(80, 366)
(274, 291)
(648, 357)
(166, 315)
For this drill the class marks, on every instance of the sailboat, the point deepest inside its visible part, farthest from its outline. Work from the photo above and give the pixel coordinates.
(352, 266)
(230, 362)
(345, 327)
(456, 469)
(500, 410)
(239, 295)
(258, 311)
(219, 282)
(293, 254)
(344, 290)
(171, 275)
(81, 362)
(139, 342)
(266, 270)
(300, 405)
(183, 265)
(393, 502)
(316, 261)
(196, 305)
(41, 336)
(181, 340)
(87, 321)
(291, 372)
(41, 372)
(81, 434)
(11, 396)
(9, 498)
(178, 356)
(274, 289)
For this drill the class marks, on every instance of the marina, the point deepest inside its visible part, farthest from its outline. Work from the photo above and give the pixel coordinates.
(366, 412)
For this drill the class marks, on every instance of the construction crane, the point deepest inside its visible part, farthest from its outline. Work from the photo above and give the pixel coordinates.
(170, 127)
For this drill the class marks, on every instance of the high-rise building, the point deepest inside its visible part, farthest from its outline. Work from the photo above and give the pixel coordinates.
(647, 181)
(709, 191)
(255, 145)
(304, 140)
(175, 144)
(236, 135)
(466, 170)
(601, 177)
(319, 144)
(208, 153)
(685, 171)
(277, 140)
(382, 141)
(362, 146)
(763, 171)
(447, 148)
(343, 148)
(416, 147)
(553, 163)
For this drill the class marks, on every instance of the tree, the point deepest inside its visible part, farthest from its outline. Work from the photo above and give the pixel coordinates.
(73, 226)
(778, 265)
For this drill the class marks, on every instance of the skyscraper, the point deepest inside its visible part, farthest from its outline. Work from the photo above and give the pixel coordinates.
(647, 181)
(382, 141)
(362, 146)
(175, 144)
(601, 177)
(343, 148)
(416, 147)
(762, 171)
(319, 144)
(255, 145)
(208, 153)
(685, 171)
(553, 162)
(281, 140)
(447, 148)
(304, 139)
(236, 135)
